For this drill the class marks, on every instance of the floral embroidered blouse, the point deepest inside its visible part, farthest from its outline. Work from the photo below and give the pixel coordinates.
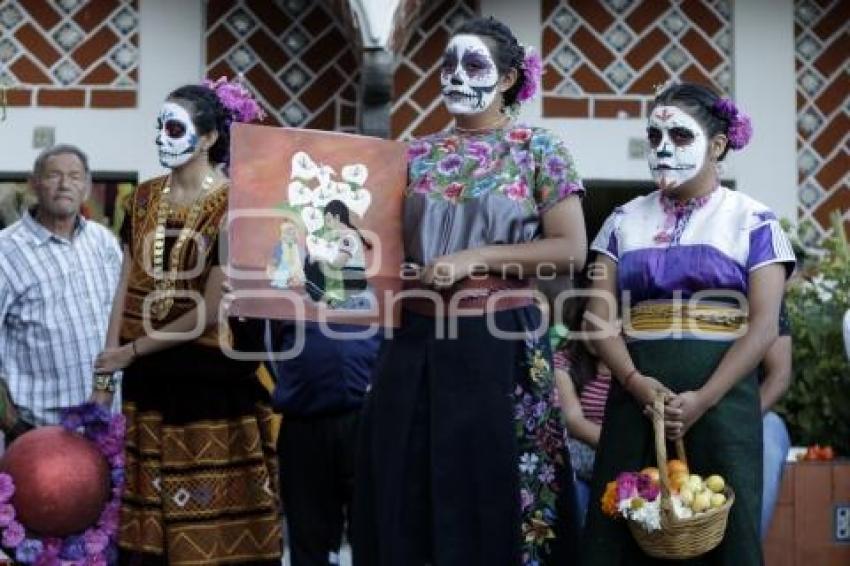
(473, 190)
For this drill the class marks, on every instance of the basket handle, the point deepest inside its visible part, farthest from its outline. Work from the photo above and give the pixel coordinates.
(661, 453)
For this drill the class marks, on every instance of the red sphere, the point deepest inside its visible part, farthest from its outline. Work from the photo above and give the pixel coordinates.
(61, 480)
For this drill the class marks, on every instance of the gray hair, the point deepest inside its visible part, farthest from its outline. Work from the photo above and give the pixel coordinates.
(61, 149)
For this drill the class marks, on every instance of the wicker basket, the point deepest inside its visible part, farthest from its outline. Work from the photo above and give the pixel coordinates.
(679, 538)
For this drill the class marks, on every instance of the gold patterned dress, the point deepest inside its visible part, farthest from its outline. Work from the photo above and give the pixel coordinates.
(201, 469)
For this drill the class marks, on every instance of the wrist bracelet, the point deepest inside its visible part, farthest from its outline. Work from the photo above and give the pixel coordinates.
(135, 351)
(629, 377)
(104, 382)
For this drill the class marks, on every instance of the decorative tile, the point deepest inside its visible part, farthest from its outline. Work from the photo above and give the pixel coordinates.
(241, 22)
(295, 77)
(809, 121)
(8, 50)
(70, 6)
(807, 162)
(810, 194)
(811, 82)
(675, 58)
(66, 72)
(618, 5)
(724, 41)
(568, 88)
(90, 45)
(643, 43)
(242, 58)
(124, 21)
(293, 54)
(565, 20)
(294, 114)
(295, 8)
(806, 12)
(674, 23)
(10, 15)
(7, 80)
(823, 112)
(619, 37)
(295, 40)
(68, 36)
(567, 59)
(124, 56)
(620, 75)
(808, 47)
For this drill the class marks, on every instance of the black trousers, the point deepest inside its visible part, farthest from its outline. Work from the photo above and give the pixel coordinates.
(317, 480)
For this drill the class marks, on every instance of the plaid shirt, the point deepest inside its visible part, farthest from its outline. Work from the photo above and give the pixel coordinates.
(55, 301)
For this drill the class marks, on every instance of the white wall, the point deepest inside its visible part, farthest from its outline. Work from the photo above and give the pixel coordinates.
(764, 86)
(170, 54)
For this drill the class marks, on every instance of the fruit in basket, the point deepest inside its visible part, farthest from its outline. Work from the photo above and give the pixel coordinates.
(695, 483)
(715, 483)
(676, 467)
(678, 480)
(717, 500)
(702, 501)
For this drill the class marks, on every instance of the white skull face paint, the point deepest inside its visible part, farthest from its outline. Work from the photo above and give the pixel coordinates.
(177, 137)
(677, 146)
(469, 75)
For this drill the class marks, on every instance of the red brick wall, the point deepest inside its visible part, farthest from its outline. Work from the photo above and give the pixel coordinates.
(74, 53)
(822, 40)
(605, 58)
(297, 55)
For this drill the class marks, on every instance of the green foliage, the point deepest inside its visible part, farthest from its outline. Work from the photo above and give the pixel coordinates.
(817, 406)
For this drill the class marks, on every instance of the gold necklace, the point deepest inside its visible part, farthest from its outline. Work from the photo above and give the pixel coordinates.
(164, 282)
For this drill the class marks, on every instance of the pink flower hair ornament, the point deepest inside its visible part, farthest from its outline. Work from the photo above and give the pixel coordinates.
(740, 127)
(237, 99)
(532, 71)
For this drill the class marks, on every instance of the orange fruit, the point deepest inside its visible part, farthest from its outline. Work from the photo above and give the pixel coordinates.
(652, 473)
(678, 480)
(676, 466)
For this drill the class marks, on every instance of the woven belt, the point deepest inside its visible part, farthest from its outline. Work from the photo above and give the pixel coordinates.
(686, 318)
(470, 297)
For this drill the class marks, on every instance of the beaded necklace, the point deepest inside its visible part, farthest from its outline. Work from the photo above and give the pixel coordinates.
(164, 282)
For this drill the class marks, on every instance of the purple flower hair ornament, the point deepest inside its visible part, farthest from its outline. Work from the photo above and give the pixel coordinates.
(740, 128)
(237, 99)
(532, 71)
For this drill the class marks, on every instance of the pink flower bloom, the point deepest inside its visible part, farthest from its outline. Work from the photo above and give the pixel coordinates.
(7, 487)
(518, 135)
(424, 185)
(453, 191)
(532, 71)
(526, 498)
(13, 535)
(517, 190)
(417, 149)
(627, 486)
(7, 514)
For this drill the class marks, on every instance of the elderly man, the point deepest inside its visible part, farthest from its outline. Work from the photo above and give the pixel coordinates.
(58, 275)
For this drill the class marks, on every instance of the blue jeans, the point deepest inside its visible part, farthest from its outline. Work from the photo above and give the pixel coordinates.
(776, 445)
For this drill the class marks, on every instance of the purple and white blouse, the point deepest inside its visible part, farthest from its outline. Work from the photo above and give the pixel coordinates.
(712, 243)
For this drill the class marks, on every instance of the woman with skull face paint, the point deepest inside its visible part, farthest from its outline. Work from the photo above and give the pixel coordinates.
(200, 463)
(462, 458)
(726, 257)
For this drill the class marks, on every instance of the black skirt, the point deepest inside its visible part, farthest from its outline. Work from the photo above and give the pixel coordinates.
(462, 458)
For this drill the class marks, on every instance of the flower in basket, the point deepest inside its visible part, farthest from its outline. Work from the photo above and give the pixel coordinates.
(634, 496)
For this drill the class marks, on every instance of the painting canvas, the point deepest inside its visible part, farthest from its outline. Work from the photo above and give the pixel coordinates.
(314, 227)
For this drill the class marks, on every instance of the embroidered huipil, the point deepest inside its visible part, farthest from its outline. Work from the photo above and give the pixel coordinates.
(468, 191)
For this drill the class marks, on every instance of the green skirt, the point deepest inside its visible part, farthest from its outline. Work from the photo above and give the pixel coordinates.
(727, 440)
